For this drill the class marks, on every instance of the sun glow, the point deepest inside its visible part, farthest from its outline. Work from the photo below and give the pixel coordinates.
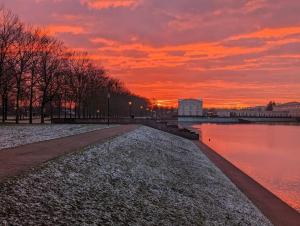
(222, 54)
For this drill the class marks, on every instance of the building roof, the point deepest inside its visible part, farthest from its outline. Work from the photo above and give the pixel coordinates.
(191, 99)
(289, 104)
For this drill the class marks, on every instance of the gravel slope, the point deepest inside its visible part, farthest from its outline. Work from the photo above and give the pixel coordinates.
(146, 177)
(15, 135)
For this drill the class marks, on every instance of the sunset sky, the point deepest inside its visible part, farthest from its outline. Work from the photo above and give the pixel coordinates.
(230, 53)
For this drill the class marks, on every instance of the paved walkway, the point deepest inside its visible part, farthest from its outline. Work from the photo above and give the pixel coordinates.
(14, 161)
(277, 211)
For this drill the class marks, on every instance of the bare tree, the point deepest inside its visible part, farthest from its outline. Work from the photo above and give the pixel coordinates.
(36, 69)
(10, 27)
(24, 51)
(36, 44)
(79, 79)
(51, 53)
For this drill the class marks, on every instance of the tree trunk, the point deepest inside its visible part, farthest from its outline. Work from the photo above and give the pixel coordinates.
(31, 97)
(70, 110)
(75, 110)
(65, 109)
(31, 105)
(42, 113)
(51, 111)
(59, 107)
(84, 111)
(18, 104)
(3, 108)
(65, 104)
(78, 110)
(6, 107)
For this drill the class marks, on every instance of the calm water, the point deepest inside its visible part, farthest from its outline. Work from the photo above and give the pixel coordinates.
(270, 154)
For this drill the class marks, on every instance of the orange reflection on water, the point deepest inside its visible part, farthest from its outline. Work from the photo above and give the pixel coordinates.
(270, 154)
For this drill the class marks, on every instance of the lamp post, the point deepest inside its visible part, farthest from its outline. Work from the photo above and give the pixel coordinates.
(108, 110)
(130, 105)
(142, 108)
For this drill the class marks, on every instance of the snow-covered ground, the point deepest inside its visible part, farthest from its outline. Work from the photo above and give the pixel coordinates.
(145, 177)
(15, 135)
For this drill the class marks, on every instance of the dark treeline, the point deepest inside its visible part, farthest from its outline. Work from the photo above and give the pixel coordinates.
(40, 77)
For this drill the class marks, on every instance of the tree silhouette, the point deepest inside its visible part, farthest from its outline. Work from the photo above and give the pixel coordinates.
(39, 74)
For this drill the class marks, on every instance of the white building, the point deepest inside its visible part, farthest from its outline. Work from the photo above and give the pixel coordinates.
(252, 113)
(190, 107)
(260, 114)
(293, 108)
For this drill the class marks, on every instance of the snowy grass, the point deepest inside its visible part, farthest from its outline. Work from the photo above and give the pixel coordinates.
(145, 177)
(16, 135)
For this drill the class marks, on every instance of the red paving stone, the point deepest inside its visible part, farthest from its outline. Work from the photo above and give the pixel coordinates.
(277, 211)
(14, 161)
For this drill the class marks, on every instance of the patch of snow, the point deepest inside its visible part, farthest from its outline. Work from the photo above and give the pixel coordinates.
(145, 177)
(16, 135)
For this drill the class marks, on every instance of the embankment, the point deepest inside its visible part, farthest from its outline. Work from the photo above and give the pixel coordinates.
(145, 177)
(277, 211)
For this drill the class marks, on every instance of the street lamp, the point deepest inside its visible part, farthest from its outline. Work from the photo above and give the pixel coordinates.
(142, 108)
(130, 105)
(108, 112)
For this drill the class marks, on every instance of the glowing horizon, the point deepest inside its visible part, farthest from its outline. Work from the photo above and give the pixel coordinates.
(229, 53)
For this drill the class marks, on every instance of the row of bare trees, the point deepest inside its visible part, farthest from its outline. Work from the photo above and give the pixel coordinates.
(40, 76)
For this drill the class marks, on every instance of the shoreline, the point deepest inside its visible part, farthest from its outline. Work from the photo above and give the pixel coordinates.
(276, 210)
(236, 120)
(145, 176)
(173, 149)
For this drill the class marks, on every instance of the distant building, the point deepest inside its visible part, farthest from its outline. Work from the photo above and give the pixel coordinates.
(259, 114)
(293, 108)
(190, 107)
(254, 112)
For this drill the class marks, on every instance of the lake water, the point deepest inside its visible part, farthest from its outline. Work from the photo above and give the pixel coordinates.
(270, 154)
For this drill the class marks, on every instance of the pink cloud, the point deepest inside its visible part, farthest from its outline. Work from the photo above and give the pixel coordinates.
(167, 49)
(56, 29)
(105, 4)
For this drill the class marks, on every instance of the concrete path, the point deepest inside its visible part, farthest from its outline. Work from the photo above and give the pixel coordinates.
(14, 161)
(277, 211)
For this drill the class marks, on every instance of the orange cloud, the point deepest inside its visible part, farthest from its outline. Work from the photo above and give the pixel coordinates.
(104, 4)
(268, 33)
(194, 56)
(216, 93)
(170, 49)
(104, 41)
(55, 29)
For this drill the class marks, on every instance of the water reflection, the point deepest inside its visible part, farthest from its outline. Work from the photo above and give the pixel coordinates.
(268, 153)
